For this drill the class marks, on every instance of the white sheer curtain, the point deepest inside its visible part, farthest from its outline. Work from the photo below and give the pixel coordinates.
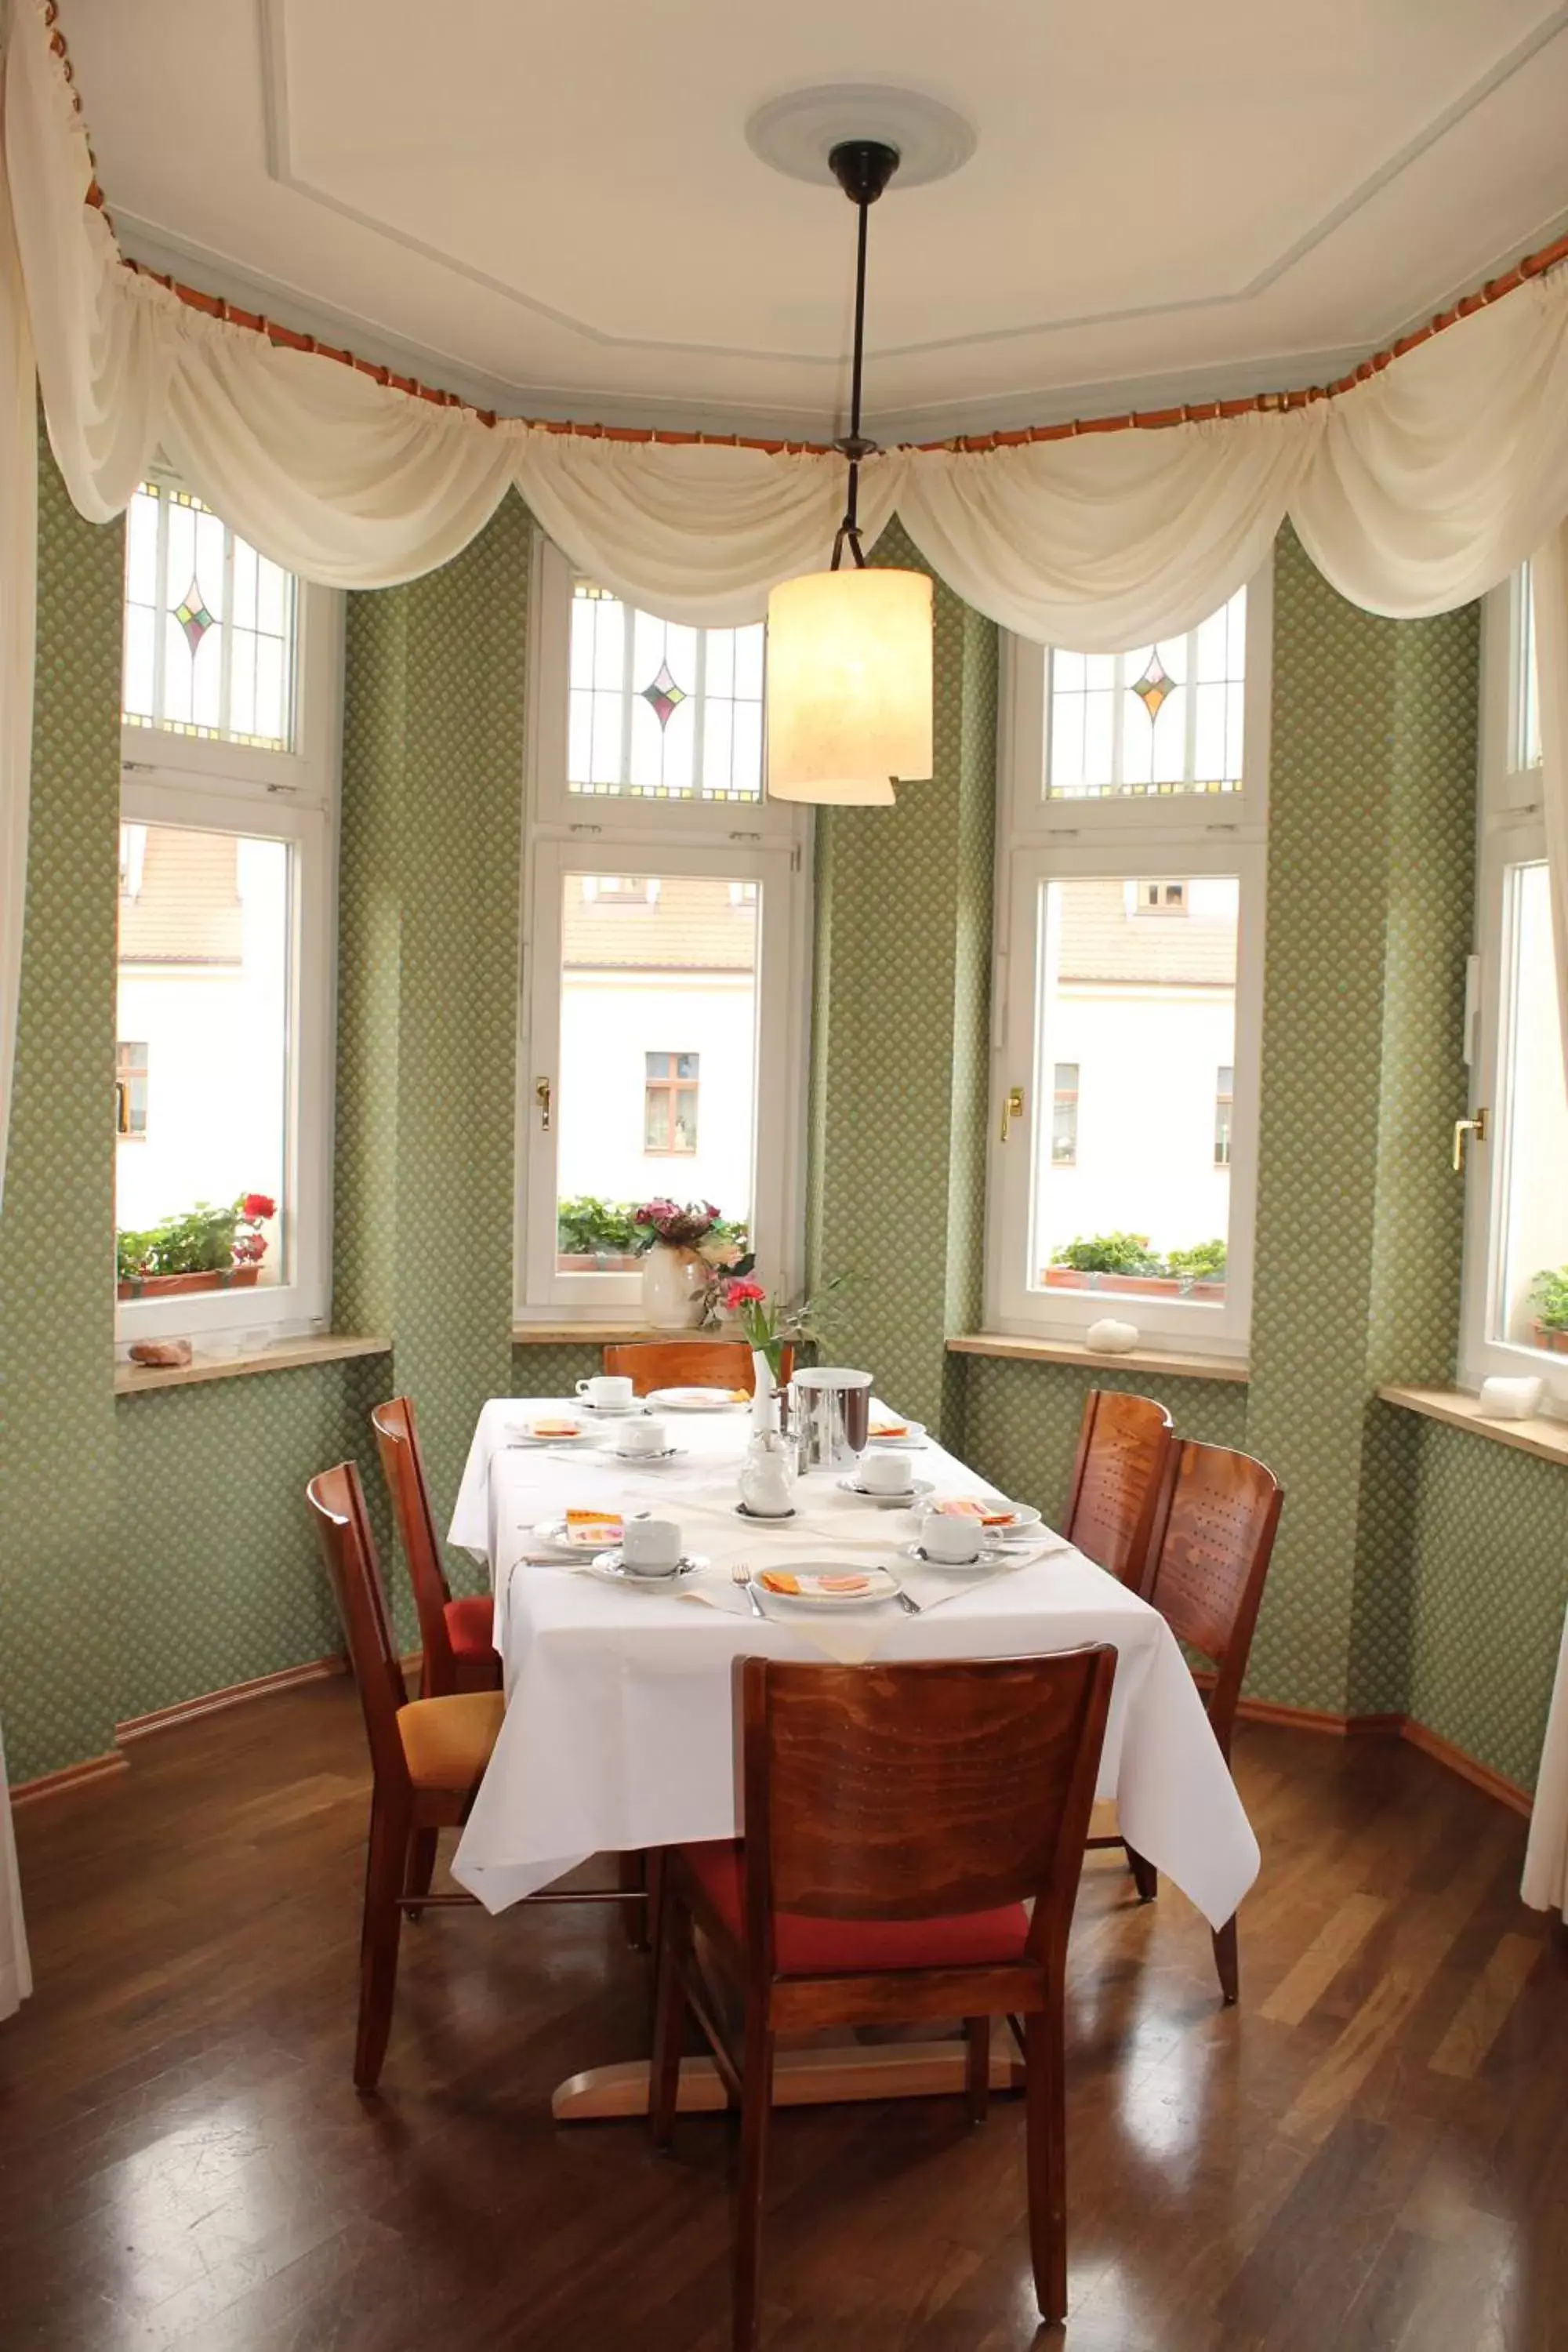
(1546, 1856)
(19, 535)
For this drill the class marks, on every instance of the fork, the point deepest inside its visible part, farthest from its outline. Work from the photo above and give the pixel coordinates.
(740, 1574)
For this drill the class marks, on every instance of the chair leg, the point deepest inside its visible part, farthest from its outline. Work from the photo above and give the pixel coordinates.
(1045, 2128)
(1225, 1960)
(756, 2112)
(386, 1864)
(669, 2019)
(1145, 1878)
(422, 1848)
(977, 2067)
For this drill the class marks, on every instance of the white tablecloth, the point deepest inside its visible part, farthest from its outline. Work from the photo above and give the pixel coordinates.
(618, 1728)
(15, 1975)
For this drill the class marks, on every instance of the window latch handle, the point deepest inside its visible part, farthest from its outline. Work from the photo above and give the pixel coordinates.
(1476, 1127)
(1012, 1108)
(541, 1095)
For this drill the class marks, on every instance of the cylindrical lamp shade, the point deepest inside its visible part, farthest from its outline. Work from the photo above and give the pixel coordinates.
(849, 685)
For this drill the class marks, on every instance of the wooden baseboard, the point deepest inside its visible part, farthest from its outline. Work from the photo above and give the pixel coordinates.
(186, 1710)
(69, 1776)
(1480, 1776)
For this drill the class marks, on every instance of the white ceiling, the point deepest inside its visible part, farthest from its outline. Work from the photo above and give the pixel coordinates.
(553, 209)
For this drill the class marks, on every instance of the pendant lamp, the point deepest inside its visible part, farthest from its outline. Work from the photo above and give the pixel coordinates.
(849, 649)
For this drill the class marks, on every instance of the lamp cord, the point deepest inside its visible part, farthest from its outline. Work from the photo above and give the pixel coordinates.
(853, 444)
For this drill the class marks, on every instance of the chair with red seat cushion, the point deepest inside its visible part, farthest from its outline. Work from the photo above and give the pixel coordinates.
(897, 1820)
(457, 1635)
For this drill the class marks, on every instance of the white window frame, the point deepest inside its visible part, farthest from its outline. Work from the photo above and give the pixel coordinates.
(767, 842)
(203, 782)
(1132, 839)
(1511, 831)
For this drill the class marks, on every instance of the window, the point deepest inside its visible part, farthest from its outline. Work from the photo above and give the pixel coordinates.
(1130, 936)
(209, 627)
(1162, 720)
(230, 700)
(669, 1102)
(666, 992)
(130, 1089)
(658, 712)
(1516, 1232)
(1224, 1109)
(1064, 1117)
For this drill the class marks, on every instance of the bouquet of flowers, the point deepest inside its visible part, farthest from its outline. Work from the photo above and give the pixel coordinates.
(770, 1326)
(666, 1221)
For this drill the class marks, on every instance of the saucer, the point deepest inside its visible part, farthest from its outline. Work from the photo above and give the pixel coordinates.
(991, 1559)
(611, 1566)
(664, 1454)
(903, 1499)
(612, 1412)
(765, 1518)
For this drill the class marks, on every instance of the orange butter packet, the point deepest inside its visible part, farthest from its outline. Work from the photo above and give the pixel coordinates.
(967, 1506)
(779, 1579)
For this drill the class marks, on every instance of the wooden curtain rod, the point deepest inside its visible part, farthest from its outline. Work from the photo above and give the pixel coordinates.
(1148, 420)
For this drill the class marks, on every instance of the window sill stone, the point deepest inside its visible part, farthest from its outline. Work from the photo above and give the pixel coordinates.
(285, 1356)
(1172, 1362)
(1459, 1409)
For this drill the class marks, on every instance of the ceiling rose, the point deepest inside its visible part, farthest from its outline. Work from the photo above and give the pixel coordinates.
(797, 132)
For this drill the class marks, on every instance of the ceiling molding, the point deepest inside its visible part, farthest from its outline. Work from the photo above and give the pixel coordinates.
(281, 168)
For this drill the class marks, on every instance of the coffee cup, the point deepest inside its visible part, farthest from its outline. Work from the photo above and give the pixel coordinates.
(885, 1474)
(650, 1546)
(607, 1391)
(955, 1541)
(646, 1435)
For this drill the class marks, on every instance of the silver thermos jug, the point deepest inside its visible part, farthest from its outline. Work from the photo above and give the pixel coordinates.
(830, 1416)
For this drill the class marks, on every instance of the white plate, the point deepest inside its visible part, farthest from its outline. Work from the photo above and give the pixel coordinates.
(907, 1500)
(1024, 1521)
(521, 1433)
(611, 1565)
(914, 1434)
(696, 1400)
(992, 1556)
(554, 1533)
(875, 1585)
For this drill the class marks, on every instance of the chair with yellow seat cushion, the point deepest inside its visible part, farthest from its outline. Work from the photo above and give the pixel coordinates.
(428, 1755)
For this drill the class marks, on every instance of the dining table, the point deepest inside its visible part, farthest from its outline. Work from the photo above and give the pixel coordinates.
(618, 1732)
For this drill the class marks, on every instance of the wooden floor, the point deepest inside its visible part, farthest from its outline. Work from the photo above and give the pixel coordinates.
(1372, 2151)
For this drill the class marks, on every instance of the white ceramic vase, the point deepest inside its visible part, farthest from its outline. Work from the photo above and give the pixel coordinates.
(674, 1287)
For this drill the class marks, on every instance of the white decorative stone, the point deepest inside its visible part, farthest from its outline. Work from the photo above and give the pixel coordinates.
(1108, 1338)
(1502, 1399)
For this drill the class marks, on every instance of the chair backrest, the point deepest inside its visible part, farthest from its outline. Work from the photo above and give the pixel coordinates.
(689, 1363)
(403, 1468)
(917, 1792)
(1212, 1549)
(1123, 1449)
(337, 1500)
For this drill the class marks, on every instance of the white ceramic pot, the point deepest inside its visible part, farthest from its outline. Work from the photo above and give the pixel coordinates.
(674, 1285)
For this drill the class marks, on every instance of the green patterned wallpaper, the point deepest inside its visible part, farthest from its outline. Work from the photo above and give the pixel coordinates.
(60, 1593)
(899, 1104)
(1021, 1419)
(1489, 1549)
(432, 845)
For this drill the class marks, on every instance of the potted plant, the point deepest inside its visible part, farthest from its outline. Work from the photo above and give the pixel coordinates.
(204, 1249)
(677, 1275)
(1550, 1293)
(1200, 1270)
(1126, 1257)
(597, 1236)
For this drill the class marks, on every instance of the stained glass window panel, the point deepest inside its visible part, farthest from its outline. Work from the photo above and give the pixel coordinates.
(1156, 720)
(658, 712)
(209, 627)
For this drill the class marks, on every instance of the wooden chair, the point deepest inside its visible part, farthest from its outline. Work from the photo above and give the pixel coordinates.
(458, 1636)
(428, 1756)
(651, 1364)
(1214, 1538)
(897, 1819)
(1124, 1447)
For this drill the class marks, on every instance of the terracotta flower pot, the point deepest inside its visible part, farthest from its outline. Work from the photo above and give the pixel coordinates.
(1551, 1338)
(177, 1286)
